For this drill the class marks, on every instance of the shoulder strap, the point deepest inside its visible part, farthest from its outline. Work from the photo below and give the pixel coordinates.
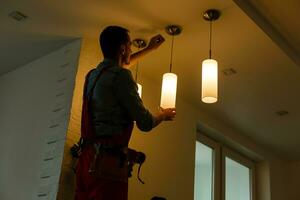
(86, 123)
(89, 95)
(86, 83)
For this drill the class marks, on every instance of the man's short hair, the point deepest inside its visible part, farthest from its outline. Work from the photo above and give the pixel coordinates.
(111, 39)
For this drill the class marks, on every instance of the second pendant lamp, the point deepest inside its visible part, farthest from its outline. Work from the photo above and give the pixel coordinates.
(169, 82)
(210, 66)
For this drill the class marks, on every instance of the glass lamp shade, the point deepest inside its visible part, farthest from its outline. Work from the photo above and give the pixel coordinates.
(139, 89)
(209, 81)
(168, 90)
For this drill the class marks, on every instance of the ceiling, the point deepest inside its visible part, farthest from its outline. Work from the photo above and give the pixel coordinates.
(260, 41)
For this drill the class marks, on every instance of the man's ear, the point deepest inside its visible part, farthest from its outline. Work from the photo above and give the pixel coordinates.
(122, 49)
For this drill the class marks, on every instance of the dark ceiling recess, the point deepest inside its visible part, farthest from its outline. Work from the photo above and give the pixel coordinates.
(158, 198)
(18, 16)
(282, 113)
(229, 71)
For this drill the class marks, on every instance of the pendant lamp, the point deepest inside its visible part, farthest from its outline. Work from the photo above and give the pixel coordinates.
(210, 66)
(139, 43)
(169, 82)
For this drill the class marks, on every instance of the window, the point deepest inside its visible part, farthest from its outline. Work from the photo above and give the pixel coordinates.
(204, 172)
(220, 173)
(237, 179)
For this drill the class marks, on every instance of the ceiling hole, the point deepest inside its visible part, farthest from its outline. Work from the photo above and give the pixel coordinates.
(18, 16)
(229, 71)
(282, 112)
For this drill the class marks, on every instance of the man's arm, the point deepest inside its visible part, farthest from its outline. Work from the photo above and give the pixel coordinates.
(154, 43)
(167, 114)
(126, 92)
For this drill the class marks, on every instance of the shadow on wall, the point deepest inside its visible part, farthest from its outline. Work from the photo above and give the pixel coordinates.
(158, 198)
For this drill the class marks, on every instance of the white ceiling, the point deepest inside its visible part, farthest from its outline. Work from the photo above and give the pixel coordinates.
(267, 74)
(279, 21)
(17, 49)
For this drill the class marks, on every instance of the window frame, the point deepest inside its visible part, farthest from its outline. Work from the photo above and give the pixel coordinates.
(241, 159)
(216, 189)
(220, 152)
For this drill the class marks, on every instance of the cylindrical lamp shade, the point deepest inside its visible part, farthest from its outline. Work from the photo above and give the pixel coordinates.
(139, 89)
(168, 91)
(209, 81)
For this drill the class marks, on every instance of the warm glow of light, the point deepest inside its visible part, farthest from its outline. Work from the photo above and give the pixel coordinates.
(139, 89)
(168, 91)
(209, 81)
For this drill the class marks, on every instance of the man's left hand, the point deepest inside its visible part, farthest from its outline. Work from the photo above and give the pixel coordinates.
(155, 42)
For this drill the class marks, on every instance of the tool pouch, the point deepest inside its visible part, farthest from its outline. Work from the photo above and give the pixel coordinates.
(115, 164)
(109, 164)
(135, 157)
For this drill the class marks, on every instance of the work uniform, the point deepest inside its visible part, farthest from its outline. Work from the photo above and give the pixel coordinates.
(114, 105)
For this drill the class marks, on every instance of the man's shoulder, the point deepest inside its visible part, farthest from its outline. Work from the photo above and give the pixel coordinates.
(115, 69)
(120, 71)
(111, 68)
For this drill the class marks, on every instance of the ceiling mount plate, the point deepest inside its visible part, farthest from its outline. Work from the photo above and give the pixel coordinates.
(173, 30)
(139, 43)
(211, 14)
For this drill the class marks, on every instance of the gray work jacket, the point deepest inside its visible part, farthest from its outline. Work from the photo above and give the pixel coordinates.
(115, 102)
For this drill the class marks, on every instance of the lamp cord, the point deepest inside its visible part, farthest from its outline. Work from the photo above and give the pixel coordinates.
(137, 69)
(171, 61)
(210, 36)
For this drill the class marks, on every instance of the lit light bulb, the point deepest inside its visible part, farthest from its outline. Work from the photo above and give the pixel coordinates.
(209, 81)
(139, 89)
(168, 91)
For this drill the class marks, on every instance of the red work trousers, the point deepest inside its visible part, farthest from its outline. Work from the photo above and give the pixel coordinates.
(90, 188)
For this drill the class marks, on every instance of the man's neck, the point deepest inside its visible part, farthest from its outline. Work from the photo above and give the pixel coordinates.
(119, 61)
(116, 60)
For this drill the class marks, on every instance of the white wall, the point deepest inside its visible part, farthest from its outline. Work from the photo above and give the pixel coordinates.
(263, 181)
(292, 172)
(170, 149)
(34, 111)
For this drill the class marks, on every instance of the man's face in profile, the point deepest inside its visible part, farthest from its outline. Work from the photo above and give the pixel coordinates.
(126, 56)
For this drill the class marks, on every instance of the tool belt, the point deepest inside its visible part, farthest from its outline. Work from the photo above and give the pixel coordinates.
(111, 162)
